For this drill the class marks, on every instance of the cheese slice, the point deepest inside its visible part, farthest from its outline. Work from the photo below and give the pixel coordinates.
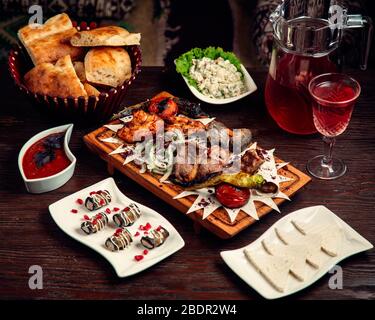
(331, 240)
(274, 269)
(293, 254)
(331, 235)
(312, 243)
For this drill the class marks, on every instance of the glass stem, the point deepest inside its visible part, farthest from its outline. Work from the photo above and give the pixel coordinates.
(329, 142)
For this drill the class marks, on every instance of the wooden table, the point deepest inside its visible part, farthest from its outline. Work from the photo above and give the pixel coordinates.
(71, 271)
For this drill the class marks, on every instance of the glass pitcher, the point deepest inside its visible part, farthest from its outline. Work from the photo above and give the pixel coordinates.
(307, 34)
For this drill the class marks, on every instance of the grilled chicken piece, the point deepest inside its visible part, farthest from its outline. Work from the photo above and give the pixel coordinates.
(251, 161)
(142, 124)
(183, 124)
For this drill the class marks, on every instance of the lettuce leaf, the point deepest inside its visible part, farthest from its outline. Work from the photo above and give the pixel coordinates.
(184, 61)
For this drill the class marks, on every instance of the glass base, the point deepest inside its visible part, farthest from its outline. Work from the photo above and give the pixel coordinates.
(318, 169)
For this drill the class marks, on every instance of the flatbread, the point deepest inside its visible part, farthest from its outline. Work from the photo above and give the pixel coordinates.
(274, 269)
(79, 67)
(59, 80)
(91, 90)
(108, 66)
(105, 36)
(51, 41)
(34, 31)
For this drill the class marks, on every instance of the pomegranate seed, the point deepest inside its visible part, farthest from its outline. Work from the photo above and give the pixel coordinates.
(108, 210)
(138, 257)
(86, 217)
(141, 228)
(74, 211)
(126, 209)
(145, 252)
(158, 228)
(102, 202)
(148, 226)
(79, 201)
(145, 232)
(115, 209)
(83, 25)
(92, 192)
(92, 25)
(136, 234)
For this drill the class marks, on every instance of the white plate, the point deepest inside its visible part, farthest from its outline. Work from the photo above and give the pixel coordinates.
(249, 83)
(352, 243)
(122, 261)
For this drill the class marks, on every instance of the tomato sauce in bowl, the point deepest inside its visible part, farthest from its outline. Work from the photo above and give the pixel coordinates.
(46, 157)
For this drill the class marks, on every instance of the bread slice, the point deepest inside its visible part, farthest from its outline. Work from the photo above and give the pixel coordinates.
(91, 90)
(59, 80)
(34, 31)
(274, 269)
(79, 67)
(105, 36)
(295, 255)
(51, 41)
(108, 66)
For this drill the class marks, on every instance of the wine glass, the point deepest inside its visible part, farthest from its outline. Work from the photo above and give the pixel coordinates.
(334, 96)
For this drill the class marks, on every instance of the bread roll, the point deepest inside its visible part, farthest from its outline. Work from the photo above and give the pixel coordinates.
(107, 66)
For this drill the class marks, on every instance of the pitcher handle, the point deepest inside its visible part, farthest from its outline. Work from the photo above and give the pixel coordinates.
(364, 22)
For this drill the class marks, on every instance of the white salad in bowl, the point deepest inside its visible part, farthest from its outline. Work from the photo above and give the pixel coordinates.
(215, 76)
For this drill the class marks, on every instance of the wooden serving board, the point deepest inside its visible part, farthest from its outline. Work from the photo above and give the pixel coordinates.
(218, 222)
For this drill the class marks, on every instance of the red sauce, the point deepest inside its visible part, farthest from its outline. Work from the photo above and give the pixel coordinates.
(32, 171)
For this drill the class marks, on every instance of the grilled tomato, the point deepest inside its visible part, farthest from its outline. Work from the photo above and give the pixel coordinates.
(232, 197)
(163, 107)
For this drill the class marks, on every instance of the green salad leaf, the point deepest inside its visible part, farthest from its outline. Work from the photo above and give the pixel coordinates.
(185, 61)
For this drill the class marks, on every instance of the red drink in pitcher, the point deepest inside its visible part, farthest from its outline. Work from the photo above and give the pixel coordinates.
(306, 34)
(287, 97)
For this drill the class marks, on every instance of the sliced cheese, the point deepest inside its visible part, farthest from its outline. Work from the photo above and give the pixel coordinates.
(293, 254)
(274, 269)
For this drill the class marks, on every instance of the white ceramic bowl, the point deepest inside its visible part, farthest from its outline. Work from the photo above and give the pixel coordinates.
(249, 84)
(57, 180)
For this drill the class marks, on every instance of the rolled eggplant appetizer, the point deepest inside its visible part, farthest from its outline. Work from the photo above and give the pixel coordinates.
(120, 240)
(97, 200)
(127, 216)
(155, 238)
(95, 224)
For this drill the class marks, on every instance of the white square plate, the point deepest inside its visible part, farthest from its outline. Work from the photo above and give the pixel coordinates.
(249, 84)
(352, 243)
(122, 261)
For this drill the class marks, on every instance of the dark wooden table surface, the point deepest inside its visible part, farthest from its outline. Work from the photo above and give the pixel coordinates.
(28, 235)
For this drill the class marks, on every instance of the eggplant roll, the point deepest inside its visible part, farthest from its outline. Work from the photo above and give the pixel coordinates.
(95, 224)
(97, 200)
(120, 240)
(127, 216)
(155, 238)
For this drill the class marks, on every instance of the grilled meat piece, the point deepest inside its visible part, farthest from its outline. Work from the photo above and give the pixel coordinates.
(217, 158)
(184, 124)
(199, 165)
(251, 161)
(142, 124)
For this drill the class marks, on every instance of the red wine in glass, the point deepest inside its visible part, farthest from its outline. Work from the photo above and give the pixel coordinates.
(334, 96)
